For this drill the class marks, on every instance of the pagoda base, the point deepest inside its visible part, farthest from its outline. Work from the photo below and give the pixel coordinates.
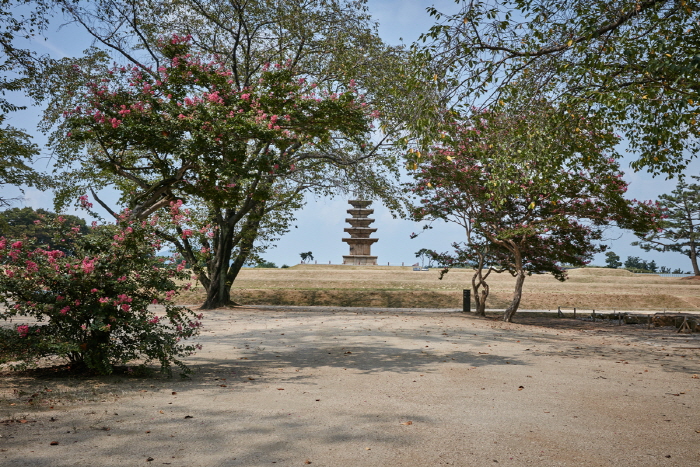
(360, 260)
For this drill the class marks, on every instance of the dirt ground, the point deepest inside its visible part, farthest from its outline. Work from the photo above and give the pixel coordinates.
(357, 387)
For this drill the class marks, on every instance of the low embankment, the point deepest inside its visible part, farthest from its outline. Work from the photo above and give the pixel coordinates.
(401, 287)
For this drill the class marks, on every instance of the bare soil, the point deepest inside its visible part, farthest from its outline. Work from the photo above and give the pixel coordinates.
(348, 387)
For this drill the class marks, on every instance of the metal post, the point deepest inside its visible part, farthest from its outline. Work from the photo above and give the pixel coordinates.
(466, 301)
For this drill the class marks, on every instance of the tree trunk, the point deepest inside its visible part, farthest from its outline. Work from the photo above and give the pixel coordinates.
(218, 295)
(517, 294)
(223, 275)
(692, 253)
(219, 290)
(480, 287)
(480, 297)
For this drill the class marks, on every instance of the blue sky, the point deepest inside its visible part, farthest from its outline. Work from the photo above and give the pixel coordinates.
(319, 226)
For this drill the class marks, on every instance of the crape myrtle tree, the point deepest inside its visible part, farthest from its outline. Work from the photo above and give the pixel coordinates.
(633, 63)
(220, 130)
(680, 228)
(91, 303)
(536, 183)
(186, 133)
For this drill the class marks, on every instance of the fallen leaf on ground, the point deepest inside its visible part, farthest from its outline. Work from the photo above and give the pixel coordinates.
(408, 423)
(54, 443)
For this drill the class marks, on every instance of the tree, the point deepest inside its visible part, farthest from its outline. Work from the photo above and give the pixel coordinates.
(636, 264)
(19, 70)
(535, 184)
(612, 260)
(680, 229)
(30, 223)
(633, 64)
(223, 130)
(425, 254)
(308, 256)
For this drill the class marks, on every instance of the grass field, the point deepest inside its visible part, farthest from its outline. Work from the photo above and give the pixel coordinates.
(393, 286)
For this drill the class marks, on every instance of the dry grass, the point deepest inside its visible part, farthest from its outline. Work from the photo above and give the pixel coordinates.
(389, 286)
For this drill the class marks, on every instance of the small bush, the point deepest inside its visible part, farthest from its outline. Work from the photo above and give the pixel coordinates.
(91, 302)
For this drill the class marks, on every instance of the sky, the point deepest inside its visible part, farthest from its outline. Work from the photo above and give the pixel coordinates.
(319, 225)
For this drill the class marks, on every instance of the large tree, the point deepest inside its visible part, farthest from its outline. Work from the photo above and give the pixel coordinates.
(20, 68)
(633, 63)
(680, 229)
(537, 183)
(219, 132)
(16, 223)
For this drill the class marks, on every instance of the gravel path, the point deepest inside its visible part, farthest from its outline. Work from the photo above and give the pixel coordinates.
(294, 386)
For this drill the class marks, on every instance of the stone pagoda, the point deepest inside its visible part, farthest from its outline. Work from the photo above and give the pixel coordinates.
(359, 241)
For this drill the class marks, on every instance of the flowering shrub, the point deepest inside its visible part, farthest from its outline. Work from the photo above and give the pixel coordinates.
(91, 302)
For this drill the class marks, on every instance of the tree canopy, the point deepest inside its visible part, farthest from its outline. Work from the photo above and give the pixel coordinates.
(633, 65)
(537, 185)
(19, 70)
(16, 223)
(679, 231)
(220, 131)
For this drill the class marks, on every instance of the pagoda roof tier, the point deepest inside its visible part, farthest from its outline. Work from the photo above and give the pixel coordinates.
(357, 203)
(360, 213)
(358, 222)
(359, 241)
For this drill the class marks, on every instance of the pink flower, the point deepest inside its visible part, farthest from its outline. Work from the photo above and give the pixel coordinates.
(9, 273)
(104, 300)
(121, 279)
(154, 320)
(32, 266)
(65, 310)
(88, 265)
(125, 307)
(94, 291)
(186, 233)
(17, 245)
(23, 330)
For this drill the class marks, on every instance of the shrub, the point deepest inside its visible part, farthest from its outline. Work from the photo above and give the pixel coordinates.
(92, 303)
